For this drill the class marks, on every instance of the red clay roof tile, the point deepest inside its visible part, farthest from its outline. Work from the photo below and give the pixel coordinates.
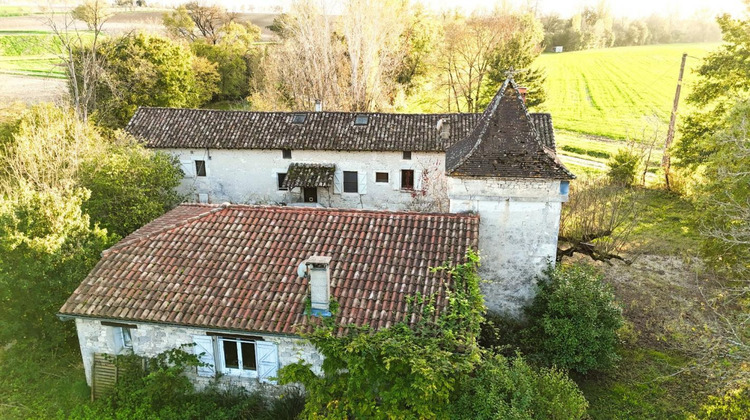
(234, 267)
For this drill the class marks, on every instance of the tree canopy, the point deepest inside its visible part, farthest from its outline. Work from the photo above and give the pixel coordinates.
(147, 70)
(723, 78)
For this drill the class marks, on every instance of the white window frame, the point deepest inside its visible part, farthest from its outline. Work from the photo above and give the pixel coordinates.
(122, 338)
(244, 373)
(127, 338)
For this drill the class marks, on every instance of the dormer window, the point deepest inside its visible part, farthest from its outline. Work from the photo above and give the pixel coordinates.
(361, 119)
(299, 118)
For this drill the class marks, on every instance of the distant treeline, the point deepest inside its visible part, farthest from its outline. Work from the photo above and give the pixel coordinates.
(597, 28)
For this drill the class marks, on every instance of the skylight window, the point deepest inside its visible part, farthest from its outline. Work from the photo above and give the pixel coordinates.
(299, 118)
(361, 119)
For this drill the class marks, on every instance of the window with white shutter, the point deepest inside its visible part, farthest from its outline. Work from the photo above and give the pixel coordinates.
(362, 183)
(338, 182)
(268, 361)
(204, 349)
(187, 168)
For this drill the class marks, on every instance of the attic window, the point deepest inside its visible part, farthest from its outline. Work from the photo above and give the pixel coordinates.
(361, 119)
(299, 118)
(286, 153)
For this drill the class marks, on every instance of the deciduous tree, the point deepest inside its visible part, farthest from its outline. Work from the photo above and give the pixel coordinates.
(147, 70)
(724, 77)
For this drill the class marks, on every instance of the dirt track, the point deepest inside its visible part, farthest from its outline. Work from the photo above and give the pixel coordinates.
(31, 90)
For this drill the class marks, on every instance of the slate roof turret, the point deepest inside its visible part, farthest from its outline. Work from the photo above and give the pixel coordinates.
(506, 143)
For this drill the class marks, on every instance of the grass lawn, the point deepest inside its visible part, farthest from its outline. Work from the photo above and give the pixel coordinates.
(43, 66)
(23, 44)
(615, 92)
(39, 383)
(643, 387)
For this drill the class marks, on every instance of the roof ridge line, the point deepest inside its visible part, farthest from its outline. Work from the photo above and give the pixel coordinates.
(134, 241)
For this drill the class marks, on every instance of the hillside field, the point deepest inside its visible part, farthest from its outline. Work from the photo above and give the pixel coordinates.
(616, 92)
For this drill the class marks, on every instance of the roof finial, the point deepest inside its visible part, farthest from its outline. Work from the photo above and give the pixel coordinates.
(510, 72)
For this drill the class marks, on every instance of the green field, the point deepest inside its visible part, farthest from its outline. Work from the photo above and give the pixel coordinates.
(9, 11)
(616, 92)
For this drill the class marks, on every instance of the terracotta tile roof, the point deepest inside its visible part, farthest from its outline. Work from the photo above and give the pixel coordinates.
(309, 175)
(201, 128)
(234, 266)
(505, 143)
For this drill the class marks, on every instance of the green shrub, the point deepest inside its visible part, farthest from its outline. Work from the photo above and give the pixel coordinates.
(501, 334)
(623, 166)
(734, 405)
(573, 320)
(163, 392)
(510, 389)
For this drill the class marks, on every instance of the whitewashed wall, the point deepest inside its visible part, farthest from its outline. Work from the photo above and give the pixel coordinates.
(151, 339)
(518, 228)
(249, 176)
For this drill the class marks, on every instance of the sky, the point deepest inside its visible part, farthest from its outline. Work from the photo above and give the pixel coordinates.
(626, 8)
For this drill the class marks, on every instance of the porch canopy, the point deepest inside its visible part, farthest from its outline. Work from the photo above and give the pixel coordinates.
(309, 175)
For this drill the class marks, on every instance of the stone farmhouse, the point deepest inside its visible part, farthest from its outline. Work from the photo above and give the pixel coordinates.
(320, 207)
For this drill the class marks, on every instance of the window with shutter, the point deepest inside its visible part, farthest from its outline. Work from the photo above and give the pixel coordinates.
(238, 357)
(204, 349)
(268, 361)
(351, 181)
(187, 168)
(338, 183)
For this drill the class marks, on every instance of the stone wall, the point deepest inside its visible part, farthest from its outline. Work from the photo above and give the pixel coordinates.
(151, 339)
(250, 176)
(518, 228)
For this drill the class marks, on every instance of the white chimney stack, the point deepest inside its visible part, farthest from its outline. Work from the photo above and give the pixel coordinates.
(320, 284)
(318, 105)
(444, 127)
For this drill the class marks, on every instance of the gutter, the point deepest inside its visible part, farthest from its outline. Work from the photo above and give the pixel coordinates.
(66, 317)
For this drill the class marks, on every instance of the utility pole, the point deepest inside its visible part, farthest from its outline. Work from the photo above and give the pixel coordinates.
(665, 160)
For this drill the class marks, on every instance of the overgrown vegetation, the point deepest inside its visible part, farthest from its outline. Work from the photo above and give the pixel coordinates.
(48, 242)
(573, 321)
(431, 369)
(158, 388)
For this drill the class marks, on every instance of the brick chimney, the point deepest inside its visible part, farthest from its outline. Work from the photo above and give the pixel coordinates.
(522, 91)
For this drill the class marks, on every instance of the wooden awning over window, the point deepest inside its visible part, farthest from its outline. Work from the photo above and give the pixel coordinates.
(309, 175)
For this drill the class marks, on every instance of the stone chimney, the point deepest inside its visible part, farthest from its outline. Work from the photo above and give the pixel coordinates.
(444, 127)
(318, 268)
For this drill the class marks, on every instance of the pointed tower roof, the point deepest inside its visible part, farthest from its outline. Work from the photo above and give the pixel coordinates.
(504, 144)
